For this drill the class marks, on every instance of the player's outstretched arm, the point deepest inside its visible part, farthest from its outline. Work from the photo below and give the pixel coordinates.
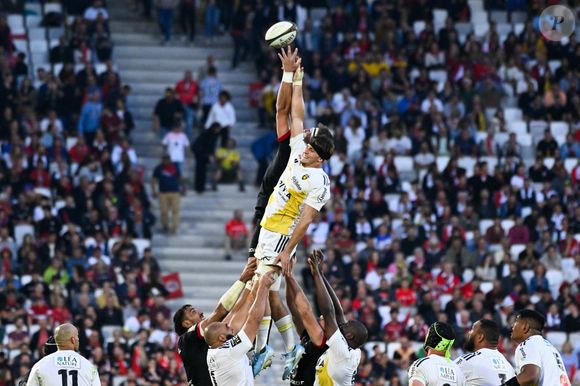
(301, 310)
(230, 297)
(323, 299)
(297, 111)
(308, 214)
(258, 308)
(338, 311)
(284, 99)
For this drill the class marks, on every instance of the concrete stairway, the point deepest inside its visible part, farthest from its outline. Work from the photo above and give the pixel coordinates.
(196, 252)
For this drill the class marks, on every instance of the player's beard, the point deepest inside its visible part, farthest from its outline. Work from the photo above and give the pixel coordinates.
(229, 336)
(469, 345)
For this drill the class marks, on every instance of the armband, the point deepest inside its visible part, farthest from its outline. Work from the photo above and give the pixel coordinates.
(231, 296)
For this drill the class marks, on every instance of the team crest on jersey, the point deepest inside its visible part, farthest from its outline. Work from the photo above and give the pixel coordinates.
(67, 361)
(498, 364)
(447, 373)
(305, 177)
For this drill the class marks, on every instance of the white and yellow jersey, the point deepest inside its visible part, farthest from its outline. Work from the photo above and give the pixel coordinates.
(338, 365)
(297, 186)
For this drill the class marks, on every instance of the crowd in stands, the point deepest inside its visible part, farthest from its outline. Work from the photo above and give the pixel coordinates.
(75, 218)
(442, 207)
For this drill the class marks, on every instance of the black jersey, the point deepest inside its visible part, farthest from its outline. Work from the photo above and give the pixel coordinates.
(305, 373)
(193, 352)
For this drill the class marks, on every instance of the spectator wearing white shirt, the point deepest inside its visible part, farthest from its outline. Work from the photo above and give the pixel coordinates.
(379, 143)
(223, 113)
(517, 180)
(431, 102)
(93, 11)
(121, 149)
(175, 143)
(51, 119)
(424, 159)
(138, 322)
(399, 143)
(158, 335)
(355, 136)
(318, 233)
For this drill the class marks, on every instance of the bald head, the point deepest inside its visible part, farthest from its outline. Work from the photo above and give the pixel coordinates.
(66, 337)
(217, 333)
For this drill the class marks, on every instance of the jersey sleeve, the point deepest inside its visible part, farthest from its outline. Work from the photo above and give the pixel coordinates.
(528, 353)
(337, 346)
(465, 368)
(417, 373)
(319, 195)
(95, 380)
(240, 345)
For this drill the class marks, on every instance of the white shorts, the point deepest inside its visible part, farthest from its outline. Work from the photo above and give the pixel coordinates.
(270, 244)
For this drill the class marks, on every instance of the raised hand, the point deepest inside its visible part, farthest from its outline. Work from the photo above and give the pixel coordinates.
(290, 59)
(249, 270)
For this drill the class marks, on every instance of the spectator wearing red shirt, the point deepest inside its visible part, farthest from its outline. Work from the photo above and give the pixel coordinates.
(519, 233)
(447, 280)
(187, 91)
(236, 234)
(79, 151)
(394, 329)
(406, 297)
(40, 177)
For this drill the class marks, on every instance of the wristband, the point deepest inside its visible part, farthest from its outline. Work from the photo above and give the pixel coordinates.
(231, 296)
(298, 79)
(287, 77)
(511, 382)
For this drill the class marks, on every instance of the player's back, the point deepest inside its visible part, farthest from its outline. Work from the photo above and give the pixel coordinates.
(193, 351)
(229, 365)
(539, 352)
(435, 370)
(485, 367)
(64, 368)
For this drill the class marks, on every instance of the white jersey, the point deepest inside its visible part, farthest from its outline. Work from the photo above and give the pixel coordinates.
(64, 368)
(539, 352)
(338, 365)
(434, 370)
(228, 364)
(485, 367)
(297, 186)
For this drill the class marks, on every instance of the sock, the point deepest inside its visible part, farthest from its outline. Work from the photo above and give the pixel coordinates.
(286, 328)
(262, 336)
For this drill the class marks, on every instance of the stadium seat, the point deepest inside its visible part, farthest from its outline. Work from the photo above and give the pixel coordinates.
(369, 347)
(569, 269)
(439, 76)
(526, 211)
(491, 163)
(33, 328)
(418, 27)
(444, 299)
(463, 29)
(442, 162)
(484, 224)
(70, 141)
(468, 163)
(52, 7)
(507, 224)
(391, 348)
(519, 28)
(549, 162)
(559, 128)
(485, 286)
(16, 22)
(518, 127)
(33, 9)
(518, 17)
(20, 45)
(141, 244)
(555, 279)
(22, 230)
(481, 29)
(107, 331)
(524, 139)
(501, 138)
(499, 17)
(469, 235)
(33, 21)
(404, 164)
(527, 275)
(574, 338)
(570, 163)
(560, 139)
(554, 65)
(512, 114)
(577, 237)
(557, 338)
(384, 312)
(537, 128)
(516, 249)
(38, 46)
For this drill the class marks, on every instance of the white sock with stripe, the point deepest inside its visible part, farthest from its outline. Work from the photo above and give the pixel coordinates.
(263, 330)
(286, 328)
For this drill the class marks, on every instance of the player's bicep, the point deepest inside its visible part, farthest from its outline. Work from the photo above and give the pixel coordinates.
(296, 127)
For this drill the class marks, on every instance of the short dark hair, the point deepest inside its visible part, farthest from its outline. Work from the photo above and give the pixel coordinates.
(490, 330)
(534, 318)
(211, 71)
(359, 332)
(437, 331)
(178, 320)
(322, 141)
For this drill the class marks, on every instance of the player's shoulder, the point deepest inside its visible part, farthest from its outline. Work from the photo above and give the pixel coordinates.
(421, 362)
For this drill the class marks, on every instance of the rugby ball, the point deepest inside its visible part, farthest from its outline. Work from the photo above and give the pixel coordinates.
(281, 34)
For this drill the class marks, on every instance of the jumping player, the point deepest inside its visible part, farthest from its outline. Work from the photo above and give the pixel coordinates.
(189, 323)
(436, 369)
(484, 365)
(538, 363)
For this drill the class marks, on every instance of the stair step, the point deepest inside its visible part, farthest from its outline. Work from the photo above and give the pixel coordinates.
(168, 53)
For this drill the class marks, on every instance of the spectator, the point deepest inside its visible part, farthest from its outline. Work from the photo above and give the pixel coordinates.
(203, 148)
(236, 235)
(89, 120)
(165, 10)
(165, 115)
(166, 184)
(187, 19)
(187, 90)
(548, 145)
(223, 113)
(228, 166)
(210, 89)
(211, 20)
(176, 143)
(95, 11)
